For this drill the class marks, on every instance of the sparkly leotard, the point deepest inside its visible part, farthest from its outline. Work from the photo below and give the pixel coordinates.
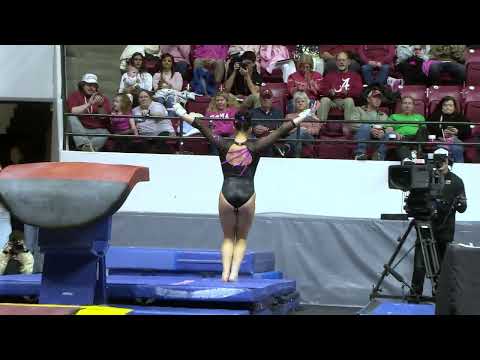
(238, 180)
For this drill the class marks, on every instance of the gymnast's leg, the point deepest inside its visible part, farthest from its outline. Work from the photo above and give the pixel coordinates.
(228, 220)
(245, 216)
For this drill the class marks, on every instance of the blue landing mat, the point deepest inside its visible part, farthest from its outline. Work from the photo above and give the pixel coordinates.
(386, 307)
(175, 288)
(184, 260)
(199, 275)
(155, 310)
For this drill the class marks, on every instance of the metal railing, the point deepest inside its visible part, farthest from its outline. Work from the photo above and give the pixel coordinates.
(180, 138)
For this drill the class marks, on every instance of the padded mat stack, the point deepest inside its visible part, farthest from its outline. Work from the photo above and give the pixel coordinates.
(183, 281)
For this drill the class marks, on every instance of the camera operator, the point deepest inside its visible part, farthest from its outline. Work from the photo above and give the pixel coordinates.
(243, 78)
(451, 200)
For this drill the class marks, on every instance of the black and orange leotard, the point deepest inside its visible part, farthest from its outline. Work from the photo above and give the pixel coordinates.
(238, 180)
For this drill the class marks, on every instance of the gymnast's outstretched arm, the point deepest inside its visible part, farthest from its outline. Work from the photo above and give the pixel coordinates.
(205, 130)
(284, 129)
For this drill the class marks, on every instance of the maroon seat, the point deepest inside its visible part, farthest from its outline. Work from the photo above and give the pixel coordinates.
(472, 66)
(471, 108)
(200, 104)
(280, 95)
(419, 95)
(435, 93)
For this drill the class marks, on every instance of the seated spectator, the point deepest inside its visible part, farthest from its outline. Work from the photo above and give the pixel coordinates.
(328, 54)
(222, 106)
(168, 74)
(407, 132)
(314, 52)
(305, 80)
(445, 58)
(448, 110)
(151, 127)
(143, 80)
(127, 55)
(88, 100)
(211, 56)
(243, 79)
(411, 67)
(376, 58)
(120, 124)
(307, 130)
(181, 57)
(265, 111)
(404, 52)
(367, 131)
(271, 55)
(203, 82)
(341, 88)
(236, 51)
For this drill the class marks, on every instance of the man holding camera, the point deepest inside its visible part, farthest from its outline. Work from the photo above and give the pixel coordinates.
(452, 199)
(243, 79)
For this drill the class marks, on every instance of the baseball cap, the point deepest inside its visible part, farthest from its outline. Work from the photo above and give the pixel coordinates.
(375, 92)
(266, 93)
(90, 79)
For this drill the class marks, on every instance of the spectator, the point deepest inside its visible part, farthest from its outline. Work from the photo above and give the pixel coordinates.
(122, 124)
(244, 79)
(144, 79)
(265, 111)
(411, 67)
(445, 58)
(84, 102)
(167, 73)
(341, 87)
(211, 56)
(151, 127)
(127, 55)
(181, 57)
(305, 80)
(222, 106)
(307, 130)
(376, 58)
(370, 112)
(448, 110)
(236, 51)
(407, 132)
(404, 52)
(328, 54)
(203, 82)
(314, 52)
(271, 55)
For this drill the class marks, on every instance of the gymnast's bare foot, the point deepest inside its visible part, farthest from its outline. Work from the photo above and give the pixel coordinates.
(233, 277)
(225, 276)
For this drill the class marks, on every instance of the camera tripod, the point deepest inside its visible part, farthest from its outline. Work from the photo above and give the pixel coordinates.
(430, 258)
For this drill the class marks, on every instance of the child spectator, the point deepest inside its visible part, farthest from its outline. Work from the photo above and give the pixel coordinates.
(181, 57)
(122, 125)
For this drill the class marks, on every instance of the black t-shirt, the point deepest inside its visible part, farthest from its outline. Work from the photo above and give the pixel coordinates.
(240, 86)
(453, 187)
(258, 114)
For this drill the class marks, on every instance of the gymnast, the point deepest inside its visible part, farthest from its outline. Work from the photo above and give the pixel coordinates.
(239, 159)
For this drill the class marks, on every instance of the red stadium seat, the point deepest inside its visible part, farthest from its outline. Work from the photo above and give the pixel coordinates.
(418, 93)
(280, 95)
(471, 108)
(472, 66)
(435, 93)
(200, 104)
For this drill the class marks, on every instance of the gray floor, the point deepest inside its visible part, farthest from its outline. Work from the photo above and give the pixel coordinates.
(326, 310)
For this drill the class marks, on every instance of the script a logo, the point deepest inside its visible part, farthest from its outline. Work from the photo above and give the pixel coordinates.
(345, 85)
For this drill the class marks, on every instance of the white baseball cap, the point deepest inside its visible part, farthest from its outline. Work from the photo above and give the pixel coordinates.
(90, 79)
(441, 151)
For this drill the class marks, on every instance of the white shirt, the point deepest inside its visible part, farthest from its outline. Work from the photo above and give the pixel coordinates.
(144, 80)
(153, 127)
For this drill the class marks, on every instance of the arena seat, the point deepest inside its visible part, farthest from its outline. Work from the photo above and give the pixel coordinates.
(280, 95)
(334, 131)
(436, 92)
(471, 100)
(418, 93)
(472, 66)
(200, 104)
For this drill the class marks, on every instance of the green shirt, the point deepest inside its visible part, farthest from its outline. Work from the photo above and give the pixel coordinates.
(406, 129)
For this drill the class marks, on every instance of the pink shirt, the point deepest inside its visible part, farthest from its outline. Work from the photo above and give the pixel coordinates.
(215, 52)
(223, 128)
(176, 81)
(179, 52)
(119, 124)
